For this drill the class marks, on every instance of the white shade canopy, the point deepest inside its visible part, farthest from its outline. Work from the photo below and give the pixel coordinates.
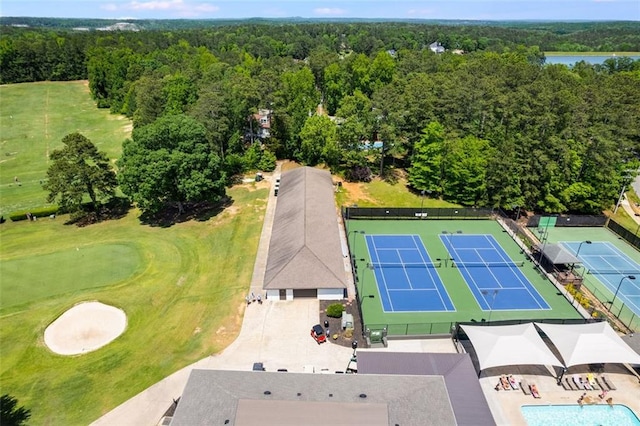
(518, 344)
(592, 343)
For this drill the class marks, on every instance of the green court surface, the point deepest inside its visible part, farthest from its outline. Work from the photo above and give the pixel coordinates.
(599, 290)
(466, 306)
(36, 277)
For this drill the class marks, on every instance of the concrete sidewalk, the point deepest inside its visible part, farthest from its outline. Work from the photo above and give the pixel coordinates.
(276, 333)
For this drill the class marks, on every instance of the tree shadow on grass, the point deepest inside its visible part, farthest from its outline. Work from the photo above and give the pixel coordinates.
(200, 212)
(116, 208)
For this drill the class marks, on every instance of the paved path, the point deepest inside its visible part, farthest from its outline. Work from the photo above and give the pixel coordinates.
(275, 333)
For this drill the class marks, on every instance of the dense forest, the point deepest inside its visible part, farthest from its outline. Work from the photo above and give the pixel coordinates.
(493, 126)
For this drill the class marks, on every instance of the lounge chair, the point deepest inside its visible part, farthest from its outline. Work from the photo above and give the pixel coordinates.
(609, 383)
(504, 381)
(592, 381)
(513, 382)
(578, 381)
(601, 383)
(571, 383)
(534, 391)
(566, 384)
(585, 384)
(525, 387)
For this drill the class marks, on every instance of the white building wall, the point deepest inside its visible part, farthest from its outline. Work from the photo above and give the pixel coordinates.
(273, 294)
(330, 293)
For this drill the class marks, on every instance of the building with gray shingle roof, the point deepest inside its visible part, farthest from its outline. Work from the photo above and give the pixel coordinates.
(215, 397)
(305, 255)
(467, 398)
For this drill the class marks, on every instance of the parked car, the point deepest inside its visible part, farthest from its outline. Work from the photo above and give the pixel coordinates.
(258, 366)
(317, 332)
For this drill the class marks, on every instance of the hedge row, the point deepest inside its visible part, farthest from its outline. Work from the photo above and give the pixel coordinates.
(37, 212)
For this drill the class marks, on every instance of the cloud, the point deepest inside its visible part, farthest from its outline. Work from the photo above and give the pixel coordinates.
(181, 7)
(333, 11)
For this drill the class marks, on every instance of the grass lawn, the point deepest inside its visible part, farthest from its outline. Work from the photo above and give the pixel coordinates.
(34, 118)
(379, 193)
(181, 287)
(41, 275)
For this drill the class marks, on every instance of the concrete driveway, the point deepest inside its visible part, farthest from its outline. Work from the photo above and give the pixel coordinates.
(274, 333)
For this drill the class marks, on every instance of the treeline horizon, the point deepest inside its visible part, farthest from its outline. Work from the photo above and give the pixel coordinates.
(492, 127)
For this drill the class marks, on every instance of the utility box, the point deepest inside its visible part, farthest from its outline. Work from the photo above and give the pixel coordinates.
(347, 320)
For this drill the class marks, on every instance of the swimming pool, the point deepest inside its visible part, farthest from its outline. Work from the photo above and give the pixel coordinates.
(575, 415)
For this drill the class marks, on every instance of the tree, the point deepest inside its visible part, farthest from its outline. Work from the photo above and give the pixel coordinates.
(170, 161)
(425, 173)
(77, 170)
(319, 141)
(10, 413)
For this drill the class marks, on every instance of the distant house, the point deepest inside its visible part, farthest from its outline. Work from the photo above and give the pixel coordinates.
(436, 47)
(263, 120)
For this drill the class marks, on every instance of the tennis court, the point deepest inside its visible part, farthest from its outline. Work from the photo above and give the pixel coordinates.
(406, 278)
(610, 265)
(496, 281)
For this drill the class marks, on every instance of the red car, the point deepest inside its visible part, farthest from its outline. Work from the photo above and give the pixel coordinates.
(317, 332)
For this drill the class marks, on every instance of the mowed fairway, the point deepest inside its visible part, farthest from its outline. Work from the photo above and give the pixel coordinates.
(33, 120)
(182, 287)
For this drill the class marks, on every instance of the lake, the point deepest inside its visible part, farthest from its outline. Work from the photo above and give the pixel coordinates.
(592, 59)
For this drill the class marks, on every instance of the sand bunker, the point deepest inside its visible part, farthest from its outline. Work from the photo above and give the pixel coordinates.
(85, 328)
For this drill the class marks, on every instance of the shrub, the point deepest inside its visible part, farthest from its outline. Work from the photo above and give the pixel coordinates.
(38, 212)
(335, 310)
(267, 161)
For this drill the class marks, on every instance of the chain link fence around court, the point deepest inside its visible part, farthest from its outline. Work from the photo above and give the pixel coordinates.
(630, 237)
(630, 319)
(571, 220)
(427, 213)
(449, 328)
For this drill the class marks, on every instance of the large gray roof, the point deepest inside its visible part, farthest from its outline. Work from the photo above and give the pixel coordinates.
(557, 254)
(305, 250)
(469, 403)
(213, 397)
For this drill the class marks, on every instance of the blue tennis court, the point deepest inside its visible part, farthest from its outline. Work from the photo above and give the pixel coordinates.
(495, 280)
(406, 278)
(610, 266)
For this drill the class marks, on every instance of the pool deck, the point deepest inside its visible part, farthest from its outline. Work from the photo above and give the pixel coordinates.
(505, 405)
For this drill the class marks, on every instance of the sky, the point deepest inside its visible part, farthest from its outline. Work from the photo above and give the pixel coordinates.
(402, 9)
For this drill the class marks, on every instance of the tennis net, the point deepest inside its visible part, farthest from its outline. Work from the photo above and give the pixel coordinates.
(613, 272)
(406, 265)
(487, 264)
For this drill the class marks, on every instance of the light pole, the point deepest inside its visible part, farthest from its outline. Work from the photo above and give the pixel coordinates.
(580, 246)
(578, 251)
(629, 277)
(422, 204)
(361, 296)
(353, 255)
(493, 300)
